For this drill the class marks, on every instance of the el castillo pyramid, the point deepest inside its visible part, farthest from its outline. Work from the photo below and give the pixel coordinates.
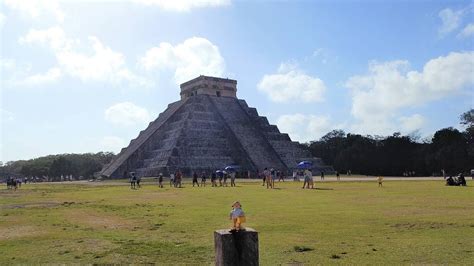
(208, 129)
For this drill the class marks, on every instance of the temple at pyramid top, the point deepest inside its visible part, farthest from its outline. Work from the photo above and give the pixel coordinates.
(210, 86)
(209, 129)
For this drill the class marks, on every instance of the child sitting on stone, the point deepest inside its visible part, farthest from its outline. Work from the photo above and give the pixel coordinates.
(237, 215)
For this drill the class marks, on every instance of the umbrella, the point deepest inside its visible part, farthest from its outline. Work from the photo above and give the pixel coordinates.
(305, 164)
(231, 167)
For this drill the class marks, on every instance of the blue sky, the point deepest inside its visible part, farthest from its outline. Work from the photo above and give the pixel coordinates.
(87, 76)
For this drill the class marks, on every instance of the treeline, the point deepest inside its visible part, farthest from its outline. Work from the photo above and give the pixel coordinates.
(398, 155)
(52, 167)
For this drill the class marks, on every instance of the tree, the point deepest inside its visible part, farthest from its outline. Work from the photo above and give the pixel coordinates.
(467, 120)
(450, 150)
(78, 165)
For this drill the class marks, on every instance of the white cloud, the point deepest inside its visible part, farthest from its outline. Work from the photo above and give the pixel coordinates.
(7, 64)
(450, 20)
(183, 5)
(2, 20)
(6, 115)
(53, 37)
(98, 63)
(127, 114)
(304, 128)
(112, 143)
(195, 56)
(467, 32)
(52, 75)
(411, 123)
(37, 8)
(291, 84)
(390, 86)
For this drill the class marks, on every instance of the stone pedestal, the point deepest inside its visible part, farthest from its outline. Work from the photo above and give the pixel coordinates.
(236, 248)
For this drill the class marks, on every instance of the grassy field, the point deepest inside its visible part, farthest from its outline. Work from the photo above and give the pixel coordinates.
(405, 222)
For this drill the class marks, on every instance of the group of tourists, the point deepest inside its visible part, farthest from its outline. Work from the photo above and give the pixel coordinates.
(458, 180)
(14, 183)
(270, 175)
(176, 179)
(218, 178)
(134, 181)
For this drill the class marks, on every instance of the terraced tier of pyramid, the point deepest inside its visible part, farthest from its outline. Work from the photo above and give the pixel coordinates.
(208, 129)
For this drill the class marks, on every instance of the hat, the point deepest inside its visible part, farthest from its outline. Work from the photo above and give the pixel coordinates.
(233, 204)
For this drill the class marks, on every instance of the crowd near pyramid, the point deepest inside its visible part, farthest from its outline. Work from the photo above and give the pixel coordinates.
(208, 129)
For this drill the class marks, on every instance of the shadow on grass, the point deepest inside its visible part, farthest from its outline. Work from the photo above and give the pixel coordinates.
(319, 188)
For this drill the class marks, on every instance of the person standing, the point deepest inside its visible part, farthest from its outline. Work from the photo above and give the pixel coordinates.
(273, 173)
(171, 180)
(139, 179)
(160, 180)
(203, 179)
(226, 175)
(380, 180)
(306, 179)
(133, 180)
(268, 177)
(337, 176)
(220, 174)
(232, 179)
(213, 179)
(322, 175)
(178, 179)
(195, 179)
(310, 177)
(280, 175)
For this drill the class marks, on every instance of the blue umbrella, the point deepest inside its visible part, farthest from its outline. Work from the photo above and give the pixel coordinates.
(305, 164)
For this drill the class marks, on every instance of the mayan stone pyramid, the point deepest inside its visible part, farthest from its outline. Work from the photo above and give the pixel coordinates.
(208, 129)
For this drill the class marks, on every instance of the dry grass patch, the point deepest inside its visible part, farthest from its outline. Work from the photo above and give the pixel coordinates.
(94, 219)
(19, 231)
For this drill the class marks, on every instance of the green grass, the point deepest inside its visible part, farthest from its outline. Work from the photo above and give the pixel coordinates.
(405, 222)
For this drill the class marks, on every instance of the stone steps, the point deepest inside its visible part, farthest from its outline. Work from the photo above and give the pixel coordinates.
(253, 141)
